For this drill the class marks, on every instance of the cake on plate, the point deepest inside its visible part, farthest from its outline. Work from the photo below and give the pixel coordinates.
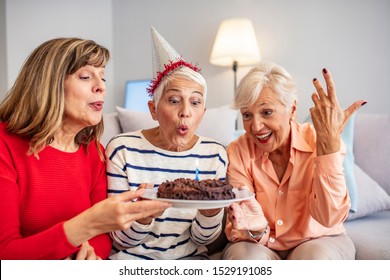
(189, 189)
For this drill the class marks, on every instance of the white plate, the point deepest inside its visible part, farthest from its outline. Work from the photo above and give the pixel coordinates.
(200, 204)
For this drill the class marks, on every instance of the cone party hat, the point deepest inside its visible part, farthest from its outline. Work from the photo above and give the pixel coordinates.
(165, 60)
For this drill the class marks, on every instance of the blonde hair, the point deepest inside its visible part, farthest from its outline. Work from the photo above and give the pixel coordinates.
(267, 75)
(34, 107)
(183, 72)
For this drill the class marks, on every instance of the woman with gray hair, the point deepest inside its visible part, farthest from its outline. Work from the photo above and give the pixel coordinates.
(167, 152)
(295, 171)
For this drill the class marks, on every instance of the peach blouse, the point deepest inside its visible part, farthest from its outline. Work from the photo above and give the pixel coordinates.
(310, 201)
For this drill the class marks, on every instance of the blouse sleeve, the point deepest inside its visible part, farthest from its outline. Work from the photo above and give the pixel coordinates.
(238, 175)
(329, 199)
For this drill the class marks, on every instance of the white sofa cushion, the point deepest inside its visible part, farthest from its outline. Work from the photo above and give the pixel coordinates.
(111, 127)
(218, 123)
(372, 197)
(371, 147)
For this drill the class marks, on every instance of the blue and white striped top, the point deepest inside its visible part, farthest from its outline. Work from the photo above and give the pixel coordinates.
(178, 233)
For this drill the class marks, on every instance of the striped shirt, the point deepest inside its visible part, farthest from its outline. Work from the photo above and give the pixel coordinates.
(178, 233)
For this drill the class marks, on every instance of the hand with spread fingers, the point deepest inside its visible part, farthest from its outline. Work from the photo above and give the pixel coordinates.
(329, 119)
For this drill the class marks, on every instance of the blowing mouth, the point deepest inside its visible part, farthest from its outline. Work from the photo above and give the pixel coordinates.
(98, 105)
(183, 129)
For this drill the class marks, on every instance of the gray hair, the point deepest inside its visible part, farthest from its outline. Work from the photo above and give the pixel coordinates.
(182, 72)
(267, 75)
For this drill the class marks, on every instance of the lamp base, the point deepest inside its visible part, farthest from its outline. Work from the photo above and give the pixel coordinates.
(234, 67)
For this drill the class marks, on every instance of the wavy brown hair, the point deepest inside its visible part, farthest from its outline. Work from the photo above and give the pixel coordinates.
(34, 107)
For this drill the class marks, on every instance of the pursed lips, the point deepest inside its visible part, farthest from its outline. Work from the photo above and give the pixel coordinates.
(97, 105)
(182, 129)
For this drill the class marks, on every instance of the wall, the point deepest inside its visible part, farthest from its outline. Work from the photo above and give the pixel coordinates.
(3, 51)
(348, 37)
(29, 23)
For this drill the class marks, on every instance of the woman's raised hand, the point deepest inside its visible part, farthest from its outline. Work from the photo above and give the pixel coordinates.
(329, 119)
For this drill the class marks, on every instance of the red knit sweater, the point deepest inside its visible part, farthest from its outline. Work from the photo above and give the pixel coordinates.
(38, 195)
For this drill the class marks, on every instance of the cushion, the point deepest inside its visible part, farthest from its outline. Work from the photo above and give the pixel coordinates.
(372, 148)
(349, 161)
(218, 123)
(371, 236)
(372, 197)
(133, 120)
(111, 127)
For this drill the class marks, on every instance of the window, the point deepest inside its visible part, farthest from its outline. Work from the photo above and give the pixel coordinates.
(136, 95)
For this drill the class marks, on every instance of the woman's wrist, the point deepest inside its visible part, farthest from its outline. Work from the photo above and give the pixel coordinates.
(258, 234)
(327, 147)
(211, 212)
(81, 228)
(145, 221)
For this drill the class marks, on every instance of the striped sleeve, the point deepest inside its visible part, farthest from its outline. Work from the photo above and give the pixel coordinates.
(177, 233)
(132, 236)
(205, 230)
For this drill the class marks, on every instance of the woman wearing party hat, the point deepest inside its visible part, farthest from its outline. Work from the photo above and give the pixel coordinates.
(166, 152)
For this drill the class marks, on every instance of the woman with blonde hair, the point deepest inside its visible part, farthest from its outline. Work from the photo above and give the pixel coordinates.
(52, 169)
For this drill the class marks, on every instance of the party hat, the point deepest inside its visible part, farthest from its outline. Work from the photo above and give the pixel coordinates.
(165, 60)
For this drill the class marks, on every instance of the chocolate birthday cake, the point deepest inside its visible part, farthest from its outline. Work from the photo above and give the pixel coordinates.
(189, 189)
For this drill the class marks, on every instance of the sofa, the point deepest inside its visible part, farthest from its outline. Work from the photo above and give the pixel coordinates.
(368, 170)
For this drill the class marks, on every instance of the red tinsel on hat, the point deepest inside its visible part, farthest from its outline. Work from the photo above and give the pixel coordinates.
(169, 68)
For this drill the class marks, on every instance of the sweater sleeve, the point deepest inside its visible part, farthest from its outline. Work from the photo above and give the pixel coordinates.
(117, 179)
(48, 244)
(101, 243)
(205, 230)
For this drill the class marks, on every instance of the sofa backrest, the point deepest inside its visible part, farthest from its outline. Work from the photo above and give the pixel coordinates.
(112, 127)
(371, 147)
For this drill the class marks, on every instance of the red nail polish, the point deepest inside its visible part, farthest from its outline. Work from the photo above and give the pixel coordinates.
(364, 103)
(324, 70)
(315, 79)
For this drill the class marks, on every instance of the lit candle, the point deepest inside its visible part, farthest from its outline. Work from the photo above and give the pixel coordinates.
(197, 170)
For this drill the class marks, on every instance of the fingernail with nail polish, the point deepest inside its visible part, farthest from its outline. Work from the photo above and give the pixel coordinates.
(315, 79)
(324, 70)
(364, 103)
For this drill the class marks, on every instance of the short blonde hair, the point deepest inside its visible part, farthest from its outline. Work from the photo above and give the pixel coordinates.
(267, 75)
(182, 72)
(34, 107)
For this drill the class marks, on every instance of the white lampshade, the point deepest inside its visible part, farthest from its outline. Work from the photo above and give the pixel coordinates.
(235, 41)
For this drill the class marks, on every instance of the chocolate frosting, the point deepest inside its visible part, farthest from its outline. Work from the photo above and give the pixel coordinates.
(189, 189)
